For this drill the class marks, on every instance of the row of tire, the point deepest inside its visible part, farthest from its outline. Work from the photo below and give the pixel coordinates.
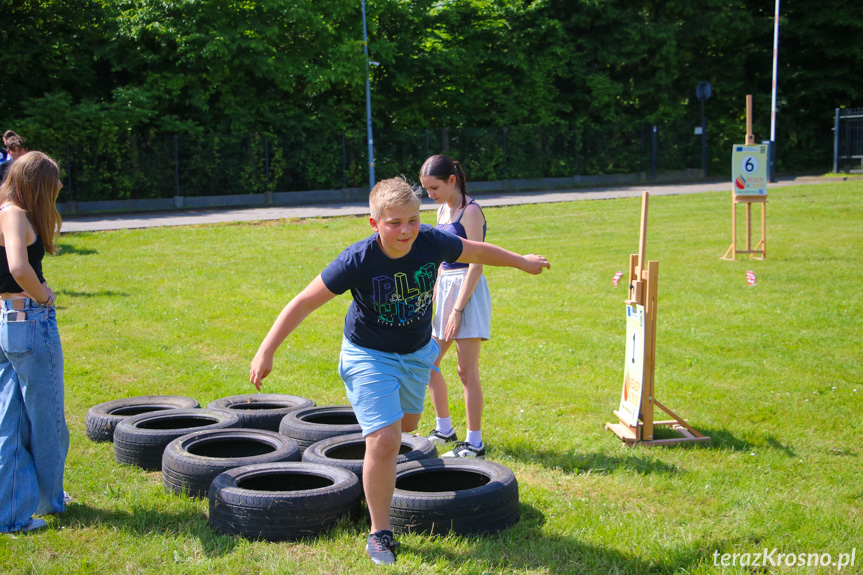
(279, 467)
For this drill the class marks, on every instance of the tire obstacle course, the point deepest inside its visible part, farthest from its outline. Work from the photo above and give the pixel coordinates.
(305, 478)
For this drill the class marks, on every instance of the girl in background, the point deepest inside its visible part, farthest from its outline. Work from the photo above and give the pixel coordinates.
(462, 306)
(34, 438)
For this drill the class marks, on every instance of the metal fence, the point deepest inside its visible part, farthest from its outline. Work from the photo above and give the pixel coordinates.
(848, 140)
(160, 165)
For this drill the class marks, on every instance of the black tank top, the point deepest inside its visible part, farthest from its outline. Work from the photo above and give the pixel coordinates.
(35, 253)
(457, 228)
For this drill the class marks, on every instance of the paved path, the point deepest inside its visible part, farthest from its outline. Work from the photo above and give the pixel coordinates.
(100, 222)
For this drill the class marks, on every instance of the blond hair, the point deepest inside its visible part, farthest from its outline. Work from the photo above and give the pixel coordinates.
(392, 193)
(32, 184)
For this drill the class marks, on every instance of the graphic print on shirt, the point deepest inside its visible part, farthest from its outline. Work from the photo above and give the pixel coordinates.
(398, 301)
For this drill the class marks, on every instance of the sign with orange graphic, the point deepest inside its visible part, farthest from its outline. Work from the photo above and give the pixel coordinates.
(749, 170)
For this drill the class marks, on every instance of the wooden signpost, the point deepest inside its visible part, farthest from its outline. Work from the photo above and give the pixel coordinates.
(638, 397)
(749, 186)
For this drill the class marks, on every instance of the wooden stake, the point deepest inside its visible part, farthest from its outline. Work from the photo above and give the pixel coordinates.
(642, 235)
(748, 227)
(750, 137)
(647, 395)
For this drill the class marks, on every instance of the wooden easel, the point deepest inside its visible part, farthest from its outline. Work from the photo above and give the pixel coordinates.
(761, 248)
(643, 287)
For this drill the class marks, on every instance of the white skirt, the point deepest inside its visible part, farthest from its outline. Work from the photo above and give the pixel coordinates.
(476, 317)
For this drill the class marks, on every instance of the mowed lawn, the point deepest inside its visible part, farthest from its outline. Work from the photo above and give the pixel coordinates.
(773, 373)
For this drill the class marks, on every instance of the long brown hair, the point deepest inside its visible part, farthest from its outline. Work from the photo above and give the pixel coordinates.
(442, 167)
(32, 185)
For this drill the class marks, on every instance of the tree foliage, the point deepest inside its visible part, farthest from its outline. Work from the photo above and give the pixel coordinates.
(107, 74)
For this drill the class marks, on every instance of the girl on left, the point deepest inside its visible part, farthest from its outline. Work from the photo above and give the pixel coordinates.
(34, 438)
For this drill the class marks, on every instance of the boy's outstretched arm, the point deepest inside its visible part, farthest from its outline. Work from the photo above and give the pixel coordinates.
(490, 254)
(311, 298)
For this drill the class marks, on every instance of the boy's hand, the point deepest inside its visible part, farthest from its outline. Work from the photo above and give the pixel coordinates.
(261, 367)
(534, 264)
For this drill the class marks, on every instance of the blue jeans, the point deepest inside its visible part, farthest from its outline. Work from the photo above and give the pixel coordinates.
(34, 438)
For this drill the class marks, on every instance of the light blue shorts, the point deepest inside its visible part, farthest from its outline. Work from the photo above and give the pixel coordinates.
(383, 386)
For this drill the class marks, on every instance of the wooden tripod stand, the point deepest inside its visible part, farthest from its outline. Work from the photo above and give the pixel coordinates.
(638, 397)
(749, 187)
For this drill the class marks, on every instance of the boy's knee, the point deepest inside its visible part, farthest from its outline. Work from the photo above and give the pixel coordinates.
(382, 442)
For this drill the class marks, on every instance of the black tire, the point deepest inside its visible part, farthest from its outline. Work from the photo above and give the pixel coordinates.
(347, 451)
(465, 496)
(261, 410)
(281, 501)
(103, 418)
(142, 439)
(313, 424)
(191, 462)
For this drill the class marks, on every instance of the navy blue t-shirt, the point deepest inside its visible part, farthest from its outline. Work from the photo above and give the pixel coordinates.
(392, 307)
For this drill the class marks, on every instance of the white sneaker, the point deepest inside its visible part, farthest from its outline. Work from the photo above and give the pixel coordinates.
(467, 450)
(438, 437)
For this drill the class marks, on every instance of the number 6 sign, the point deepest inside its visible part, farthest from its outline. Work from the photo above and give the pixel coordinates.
(749, 170)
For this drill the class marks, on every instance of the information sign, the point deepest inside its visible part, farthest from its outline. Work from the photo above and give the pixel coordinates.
(633, 371)
(749, 170)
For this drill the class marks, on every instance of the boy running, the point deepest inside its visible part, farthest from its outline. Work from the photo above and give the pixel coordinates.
(387, 350)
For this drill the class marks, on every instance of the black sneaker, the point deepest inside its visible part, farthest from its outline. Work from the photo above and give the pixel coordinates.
(380, 547)
(438, 437)
(468, 450)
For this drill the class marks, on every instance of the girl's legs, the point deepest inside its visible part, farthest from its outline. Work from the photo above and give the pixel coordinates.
(19, 491)
(31, 397)
(437, 384)
(41, 376)
(468, 371)
(410, 421)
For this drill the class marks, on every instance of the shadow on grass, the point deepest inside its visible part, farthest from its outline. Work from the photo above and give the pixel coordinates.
(720, 439)
(584, 463)
(69, 249)
(724, 439)
(525, 547)
(102, 293)
(144, 521)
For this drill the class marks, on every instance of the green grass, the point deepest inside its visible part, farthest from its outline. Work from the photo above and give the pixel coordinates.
(772, 372)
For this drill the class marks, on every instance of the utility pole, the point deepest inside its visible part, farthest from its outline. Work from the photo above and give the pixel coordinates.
(368, 104)
(773, 96)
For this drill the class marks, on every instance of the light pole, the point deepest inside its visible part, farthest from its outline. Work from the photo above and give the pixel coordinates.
(773, 95)
(368, 104)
